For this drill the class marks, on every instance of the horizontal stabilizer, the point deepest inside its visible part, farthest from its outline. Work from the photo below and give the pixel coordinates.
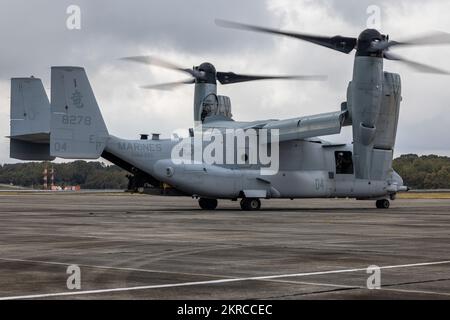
(27, 150)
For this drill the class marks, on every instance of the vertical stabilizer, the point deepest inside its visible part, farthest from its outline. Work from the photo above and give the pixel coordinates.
(77, 127)
(30, 120)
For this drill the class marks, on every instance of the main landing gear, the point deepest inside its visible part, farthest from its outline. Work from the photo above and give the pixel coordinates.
(207, 204)
(250, 204)
(383, 204)
(247, 204)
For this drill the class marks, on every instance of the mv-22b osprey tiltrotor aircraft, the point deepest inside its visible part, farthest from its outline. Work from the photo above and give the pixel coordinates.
(72, 127)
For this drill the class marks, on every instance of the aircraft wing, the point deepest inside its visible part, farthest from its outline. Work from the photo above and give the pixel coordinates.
(308, 126)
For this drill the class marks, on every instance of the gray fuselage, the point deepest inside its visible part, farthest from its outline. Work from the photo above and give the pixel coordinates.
(307, 169)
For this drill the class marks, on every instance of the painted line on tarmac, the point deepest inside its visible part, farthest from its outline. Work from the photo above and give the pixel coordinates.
(114, 268)
(416, 291)
(321, 284)
(211, 282)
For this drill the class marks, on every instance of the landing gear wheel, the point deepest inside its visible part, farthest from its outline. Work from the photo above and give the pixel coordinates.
(250, 204)
(207, 204)
(383, 204)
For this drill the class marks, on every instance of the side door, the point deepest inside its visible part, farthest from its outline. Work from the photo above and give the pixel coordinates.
(344, 173)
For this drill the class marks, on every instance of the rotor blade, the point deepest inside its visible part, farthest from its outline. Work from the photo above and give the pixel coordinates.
(231, 77)
(150, 60)
(338, 43)
(168, 85)
(434, 38)
(415, 65)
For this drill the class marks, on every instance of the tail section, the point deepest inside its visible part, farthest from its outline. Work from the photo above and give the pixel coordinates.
(30, 120)
(77, 127)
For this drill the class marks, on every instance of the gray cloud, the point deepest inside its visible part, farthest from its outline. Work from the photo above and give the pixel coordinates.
(36, 34)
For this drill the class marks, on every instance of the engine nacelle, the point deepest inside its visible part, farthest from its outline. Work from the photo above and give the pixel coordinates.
(390, 108)
(373, 105)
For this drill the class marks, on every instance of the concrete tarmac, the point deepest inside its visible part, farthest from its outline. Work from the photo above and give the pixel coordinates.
(150, 247)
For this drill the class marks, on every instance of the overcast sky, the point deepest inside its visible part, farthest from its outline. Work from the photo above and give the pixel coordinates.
(34, 37)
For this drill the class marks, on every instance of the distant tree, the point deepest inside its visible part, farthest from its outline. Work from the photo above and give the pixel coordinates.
(418, 172)
(424, 172)
(94, 174)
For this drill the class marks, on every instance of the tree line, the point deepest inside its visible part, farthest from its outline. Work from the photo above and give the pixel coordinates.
(424, 172)
(418, 172)
(88, 175)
